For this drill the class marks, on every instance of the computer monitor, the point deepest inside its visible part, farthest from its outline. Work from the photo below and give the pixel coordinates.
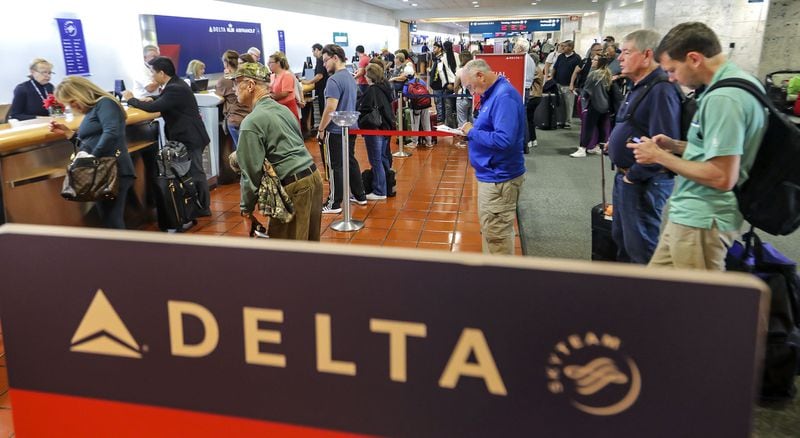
(309, 63)
(119, 87)
(309, 74)
(200, 85)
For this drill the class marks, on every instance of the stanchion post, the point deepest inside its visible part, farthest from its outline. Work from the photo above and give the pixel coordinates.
(345, 119)
(401, 153)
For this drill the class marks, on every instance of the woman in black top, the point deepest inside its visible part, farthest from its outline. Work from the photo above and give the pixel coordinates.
(102, 134)
(30, 95)
(377, 97)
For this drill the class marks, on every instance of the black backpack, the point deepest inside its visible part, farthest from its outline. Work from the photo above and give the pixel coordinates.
(770, 198)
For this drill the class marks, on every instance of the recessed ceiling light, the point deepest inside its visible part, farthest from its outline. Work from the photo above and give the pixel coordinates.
(474, 3)
(413, 4)
(533, 4)
(477, 6)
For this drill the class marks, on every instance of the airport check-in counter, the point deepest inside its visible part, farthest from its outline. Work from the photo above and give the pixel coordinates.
(33, 163)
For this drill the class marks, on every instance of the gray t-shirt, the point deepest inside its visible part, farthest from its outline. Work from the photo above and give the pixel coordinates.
(342, 86)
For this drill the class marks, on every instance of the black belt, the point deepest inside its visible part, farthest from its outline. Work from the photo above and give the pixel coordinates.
(624, 170)
(299, 175)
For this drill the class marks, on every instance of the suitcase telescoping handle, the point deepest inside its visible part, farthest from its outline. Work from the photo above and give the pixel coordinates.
(603, 176)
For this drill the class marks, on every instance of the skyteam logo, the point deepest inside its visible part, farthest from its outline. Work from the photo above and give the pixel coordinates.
(594, 373)
(102, 331)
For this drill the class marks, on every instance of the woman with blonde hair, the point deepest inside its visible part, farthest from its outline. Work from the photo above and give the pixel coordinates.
(196, 69)
(282, 87)
(102, 134)
(30, 95)
(596, 97)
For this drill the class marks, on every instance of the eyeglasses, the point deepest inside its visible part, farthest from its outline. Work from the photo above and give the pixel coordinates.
(47, 73)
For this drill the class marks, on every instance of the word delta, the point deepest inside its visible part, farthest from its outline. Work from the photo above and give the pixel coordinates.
(471, 342)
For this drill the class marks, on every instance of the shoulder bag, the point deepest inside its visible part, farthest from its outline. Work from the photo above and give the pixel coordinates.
(91, 178)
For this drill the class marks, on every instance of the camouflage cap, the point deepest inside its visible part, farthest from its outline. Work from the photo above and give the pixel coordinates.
(253, 70)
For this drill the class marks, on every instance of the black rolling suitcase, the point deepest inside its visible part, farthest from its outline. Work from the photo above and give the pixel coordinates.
(603, 246)
(545, 115)
(175, 192)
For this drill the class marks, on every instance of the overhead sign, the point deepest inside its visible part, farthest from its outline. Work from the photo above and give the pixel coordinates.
(124, 326)
(184, 39)
(508, 27)
(282, 41)
(73, 46)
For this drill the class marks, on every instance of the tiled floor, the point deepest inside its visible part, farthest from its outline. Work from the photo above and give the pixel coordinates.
(435, 207)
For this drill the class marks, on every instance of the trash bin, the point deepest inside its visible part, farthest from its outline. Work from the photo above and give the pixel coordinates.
(208, 102)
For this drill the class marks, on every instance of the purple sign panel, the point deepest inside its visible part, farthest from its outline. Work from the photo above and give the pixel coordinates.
(73, 45)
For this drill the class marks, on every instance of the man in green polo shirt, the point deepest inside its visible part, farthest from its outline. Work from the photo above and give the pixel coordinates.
(723, 140)
(270, 131)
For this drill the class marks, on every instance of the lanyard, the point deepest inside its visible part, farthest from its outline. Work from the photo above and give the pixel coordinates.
(37, 90)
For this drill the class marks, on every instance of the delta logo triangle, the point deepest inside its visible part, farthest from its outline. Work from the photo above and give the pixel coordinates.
(102, 331)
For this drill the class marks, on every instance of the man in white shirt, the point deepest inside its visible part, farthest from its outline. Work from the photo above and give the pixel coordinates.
(143, 84)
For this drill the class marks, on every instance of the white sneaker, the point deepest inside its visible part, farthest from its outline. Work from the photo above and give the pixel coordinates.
(580, 153)
(535, 143)
(597, 150)
(329, 210)
(374, 197)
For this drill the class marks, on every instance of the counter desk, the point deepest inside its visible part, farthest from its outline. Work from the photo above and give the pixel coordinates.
(33, 163)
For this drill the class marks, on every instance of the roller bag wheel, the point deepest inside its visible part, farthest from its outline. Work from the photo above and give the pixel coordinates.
(545, 115)
(603, 246)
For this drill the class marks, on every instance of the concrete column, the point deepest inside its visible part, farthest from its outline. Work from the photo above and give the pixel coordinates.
(649, 14)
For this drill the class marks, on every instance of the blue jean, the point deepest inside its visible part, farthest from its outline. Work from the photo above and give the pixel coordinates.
(234, 131)
(445, 108)
(637, 216)
(376, 152)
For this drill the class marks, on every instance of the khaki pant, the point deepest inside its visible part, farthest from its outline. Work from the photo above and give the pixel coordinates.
(686, 247)
(306, 195)
(497, 210)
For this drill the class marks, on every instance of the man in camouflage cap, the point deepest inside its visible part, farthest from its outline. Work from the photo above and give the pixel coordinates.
(271, 132)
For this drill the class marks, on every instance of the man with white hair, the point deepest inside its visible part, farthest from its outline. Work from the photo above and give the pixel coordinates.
(143, 84)
(496, 141)
(255, 53)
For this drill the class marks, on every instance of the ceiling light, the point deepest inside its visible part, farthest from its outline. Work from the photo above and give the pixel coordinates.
(477, 6)
(533, 4)
(474, 3)
(414, 4)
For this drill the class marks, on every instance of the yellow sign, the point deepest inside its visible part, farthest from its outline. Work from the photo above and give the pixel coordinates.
(102, 331)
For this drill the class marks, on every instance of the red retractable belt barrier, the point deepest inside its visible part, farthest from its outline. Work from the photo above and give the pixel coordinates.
(403, 133)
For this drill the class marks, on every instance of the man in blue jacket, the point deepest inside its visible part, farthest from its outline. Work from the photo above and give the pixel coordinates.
(496, 142)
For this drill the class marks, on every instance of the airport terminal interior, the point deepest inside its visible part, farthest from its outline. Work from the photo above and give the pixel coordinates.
(436, 202)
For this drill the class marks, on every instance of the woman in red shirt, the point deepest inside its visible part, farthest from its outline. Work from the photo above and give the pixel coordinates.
(282, 83)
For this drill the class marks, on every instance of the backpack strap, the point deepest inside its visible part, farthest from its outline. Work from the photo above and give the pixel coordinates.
(744, 84)
(634, 106)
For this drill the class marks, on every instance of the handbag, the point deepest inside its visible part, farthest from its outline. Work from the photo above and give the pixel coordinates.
(371, 119)
(273, 201)
(91, 179)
